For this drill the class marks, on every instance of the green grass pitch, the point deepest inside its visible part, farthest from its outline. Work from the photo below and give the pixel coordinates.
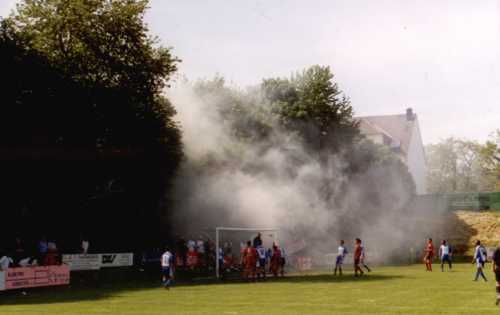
(386, 290)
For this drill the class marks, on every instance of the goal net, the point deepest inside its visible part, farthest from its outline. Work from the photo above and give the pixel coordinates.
(230, 242)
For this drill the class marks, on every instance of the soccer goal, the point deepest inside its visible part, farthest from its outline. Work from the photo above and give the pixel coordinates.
(233, 239)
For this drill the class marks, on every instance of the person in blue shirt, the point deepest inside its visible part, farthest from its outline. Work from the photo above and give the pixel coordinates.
(445, 254)
(480, 260)
(339, 260)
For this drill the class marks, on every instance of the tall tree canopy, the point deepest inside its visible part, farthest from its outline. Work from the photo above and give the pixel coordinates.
(460, 165)
(105, 45)
(311, 104)
(83, 115)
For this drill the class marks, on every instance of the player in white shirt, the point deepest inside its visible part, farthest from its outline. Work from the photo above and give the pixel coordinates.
(167, 266)
(261, 261)
(480, 260)
(445, 254)
(342, 252)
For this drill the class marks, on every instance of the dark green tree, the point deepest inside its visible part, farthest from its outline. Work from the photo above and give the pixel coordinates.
(312, 105)
(243, 112)
(83, 110)
(106, 46)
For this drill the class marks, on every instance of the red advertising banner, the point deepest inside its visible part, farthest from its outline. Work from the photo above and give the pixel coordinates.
(2, 280)
(304, 263)
(30, 277)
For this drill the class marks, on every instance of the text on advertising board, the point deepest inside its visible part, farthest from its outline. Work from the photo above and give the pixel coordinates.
(41, 276)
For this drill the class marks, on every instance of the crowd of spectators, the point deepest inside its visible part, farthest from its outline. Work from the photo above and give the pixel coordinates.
(44, 253)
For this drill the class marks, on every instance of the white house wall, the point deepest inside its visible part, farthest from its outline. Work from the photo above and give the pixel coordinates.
(416, 160)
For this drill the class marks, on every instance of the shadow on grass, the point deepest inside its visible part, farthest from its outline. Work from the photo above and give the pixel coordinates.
(315, 278)
(108, 286)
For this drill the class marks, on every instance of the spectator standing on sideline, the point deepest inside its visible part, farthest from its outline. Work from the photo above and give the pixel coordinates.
(51, 257)
(28, 262)
(19, 250)
(5, 262)
(85, 245)
(43, 247)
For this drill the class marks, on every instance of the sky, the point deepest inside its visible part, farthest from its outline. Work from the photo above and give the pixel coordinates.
(440, 58)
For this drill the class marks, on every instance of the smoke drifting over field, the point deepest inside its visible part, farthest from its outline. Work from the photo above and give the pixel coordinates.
(278, 183)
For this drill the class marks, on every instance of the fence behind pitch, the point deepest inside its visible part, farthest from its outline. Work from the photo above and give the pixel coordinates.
(459, 201)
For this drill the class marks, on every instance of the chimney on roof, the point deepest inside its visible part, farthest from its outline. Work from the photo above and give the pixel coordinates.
(409, 114)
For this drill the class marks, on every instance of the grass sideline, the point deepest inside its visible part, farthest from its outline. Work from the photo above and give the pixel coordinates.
(387, 290)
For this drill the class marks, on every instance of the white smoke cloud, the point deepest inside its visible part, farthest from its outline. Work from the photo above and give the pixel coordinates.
(225, 182)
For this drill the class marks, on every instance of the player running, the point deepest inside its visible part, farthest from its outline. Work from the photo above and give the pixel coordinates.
(429, 255)
(358, 251)
(363, 257)
(445, 254)
(167, 266)
(480, 260)
(496, 271)
(339, 261)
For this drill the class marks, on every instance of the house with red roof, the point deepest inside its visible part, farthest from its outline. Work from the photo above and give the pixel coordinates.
(402, 134)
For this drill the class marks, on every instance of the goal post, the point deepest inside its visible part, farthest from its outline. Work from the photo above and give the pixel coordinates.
(273, 233)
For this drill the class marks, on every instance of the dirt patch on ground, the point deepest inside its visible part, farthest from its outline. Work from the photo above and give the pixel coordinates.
(465, 227)
(460, 228)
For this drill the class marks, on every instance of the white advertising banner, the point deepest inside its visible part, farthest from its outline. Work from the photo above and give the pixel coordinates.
(2, 280)
(82, 261)
(78, 262)
(117, 260)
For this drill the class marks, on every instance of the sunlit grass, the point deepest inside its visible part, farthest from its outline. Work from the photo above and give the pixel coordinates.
(387, 290)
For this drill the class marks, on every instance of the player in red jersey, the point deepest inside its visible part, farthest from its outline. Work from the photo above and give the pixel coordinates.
(358, 251)
(276, 264)
(249, 261)
(429, 255)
